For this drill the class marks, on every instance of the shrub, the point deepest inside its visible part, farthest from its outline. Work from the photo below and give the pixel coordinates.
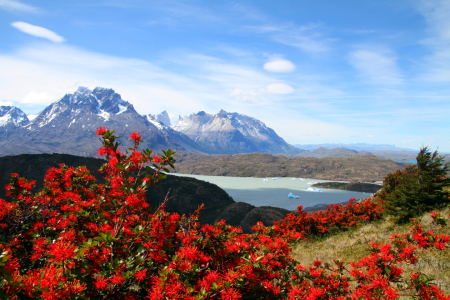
(417, 189)
(78, 240)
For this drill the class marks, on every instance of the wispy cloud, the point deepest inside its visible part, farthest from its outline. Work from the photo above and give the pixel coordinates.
(309, 38)
(14, 5)
(437, 65)
(377, 65)
(38, 31)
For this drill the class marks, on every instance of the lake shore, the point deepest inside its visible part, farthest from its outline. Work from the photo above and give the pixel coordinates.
(274, 191)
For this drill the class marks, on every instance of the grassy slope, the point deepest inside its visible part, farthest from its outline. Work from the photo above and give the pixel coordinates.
(353, 245)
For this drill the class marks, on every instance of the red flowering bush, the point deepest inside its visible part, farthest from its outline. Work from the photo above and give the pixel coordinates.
(303, 226)
(76, 239)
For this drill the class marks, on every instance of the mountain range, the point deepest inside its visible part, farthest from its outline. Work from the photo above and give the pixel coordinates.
(357, 146)
(232, 133)
(69, 124)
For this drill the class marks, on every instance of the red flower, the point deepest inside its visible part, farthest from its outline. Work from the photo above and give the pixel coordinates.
(135, 136)
(100, 283)
(101, 131)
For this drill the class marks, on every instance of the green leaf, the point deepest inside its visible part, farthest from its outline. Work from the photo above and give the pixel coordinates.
(7, 274)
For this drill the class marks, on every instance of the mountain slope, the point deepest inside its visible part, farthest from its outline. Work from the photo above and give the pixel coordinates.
(69, 125)
(232, 133)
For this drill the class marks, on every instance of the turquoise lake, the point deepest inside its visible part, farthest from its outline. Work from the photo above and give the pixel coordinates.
(270, 192)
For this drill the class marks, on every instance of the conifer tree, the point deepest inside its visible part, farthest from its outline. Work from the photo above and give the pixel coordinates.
(419, 188)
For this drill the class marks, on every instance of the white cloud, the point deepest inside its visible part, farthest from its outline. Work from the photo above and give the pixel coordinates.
(280, 88)
(6, 103)
(280, 65)
(38, 31)
(43, 73)
(377, 66)
(14, 5)
(369, 135)
(250, 96)
(38, 98)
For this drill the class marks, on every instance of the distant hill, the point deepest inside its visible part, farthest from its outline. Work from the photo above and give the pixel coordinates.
(342, 150)
(365, 168)
(185, 193)
(357, 146)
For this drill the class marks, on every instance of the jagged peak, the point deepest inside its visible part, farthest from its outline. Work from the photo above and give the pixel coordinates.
(12, 115)
(164, 118)
(83, 90)
(100, 89)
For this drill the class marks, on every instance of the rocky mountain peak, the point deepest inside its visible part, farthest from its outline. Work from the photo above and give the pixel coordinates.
(222, 114)
(164, 118)
(83, 103)
(12, 117)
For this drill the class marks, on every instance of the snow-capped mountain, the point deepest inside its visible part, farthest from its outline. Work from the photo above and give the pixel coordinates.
(12, 117)
(69, 126)
(232, 133)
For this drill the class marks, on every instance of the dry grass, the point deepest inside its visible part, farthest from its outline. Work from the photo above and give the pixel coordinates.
(353, 245)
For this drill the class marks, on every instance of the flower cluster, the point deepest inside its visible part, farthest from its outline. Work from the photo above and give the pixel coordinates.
(78, 239)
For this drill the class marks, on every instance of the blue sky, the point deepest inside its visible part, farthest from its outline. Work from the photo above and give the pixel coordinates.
(346, 71)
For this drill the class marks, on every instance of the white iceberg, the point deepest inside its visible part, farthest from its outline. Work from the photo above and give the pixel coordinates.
(276, 178)
(293, 178)
(310, 182)
(318, 191)
(310, 189)
(302, 179)
(265, 180)
(293, 196)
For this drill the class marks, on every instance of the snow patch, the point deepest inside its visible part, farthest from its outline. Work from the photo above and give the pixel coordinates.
(31, 117)
(158, 124)
(5, 120)
(121, 109)
(105, 115)
(49, 117)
